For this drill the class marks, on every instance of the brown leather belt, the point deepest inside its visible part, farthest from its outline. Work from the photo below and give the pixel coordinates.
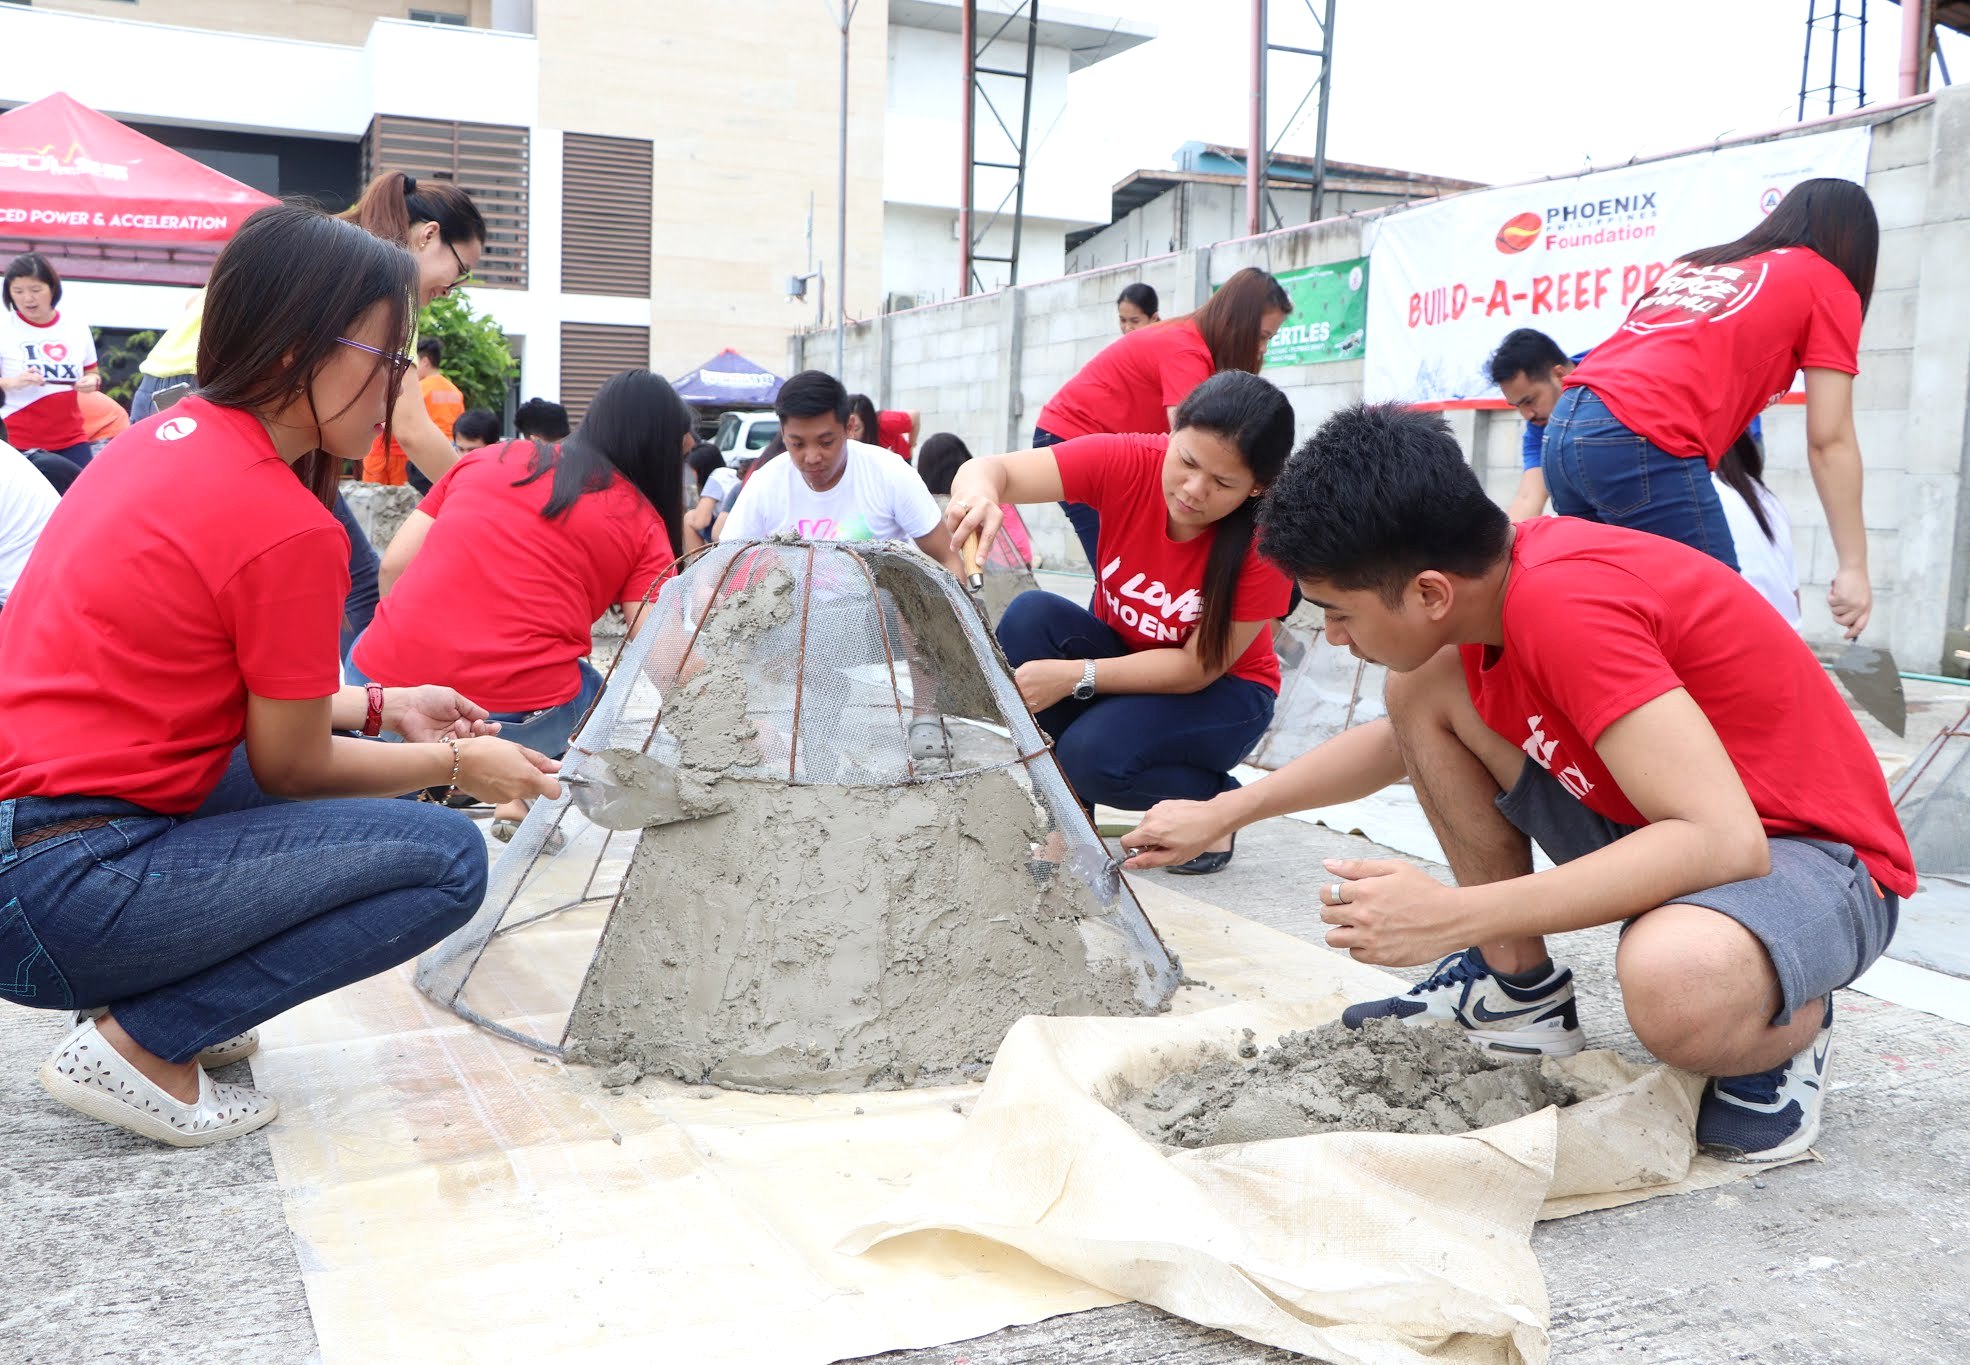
(75, 826)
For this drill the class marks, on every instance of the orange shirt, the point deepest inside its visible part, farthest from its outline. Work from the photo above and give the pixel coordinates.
(445, 404)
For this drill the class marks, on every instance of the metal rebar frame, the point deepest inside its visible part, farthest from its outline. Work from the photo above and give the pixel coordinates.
(1828, 21)
(970, 234)
(1259, 206)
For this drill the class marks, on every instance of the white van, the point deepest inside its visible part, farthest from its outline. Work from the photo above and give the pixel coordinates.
(742, 435)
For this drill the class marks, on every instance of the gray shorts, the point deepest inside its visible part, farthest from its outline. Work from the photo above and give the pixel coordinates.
(1817, 911)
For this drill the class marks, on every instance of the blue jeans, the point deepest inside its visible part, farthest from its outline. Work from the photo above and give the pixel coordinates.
(195, 928)
(1083, 518)
(143, 403)
(548, 731)
(1599, 470)
(1132, 749)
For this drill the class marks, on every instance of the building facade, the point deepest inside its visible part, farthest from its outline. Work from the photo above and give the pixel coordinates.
(652, 176)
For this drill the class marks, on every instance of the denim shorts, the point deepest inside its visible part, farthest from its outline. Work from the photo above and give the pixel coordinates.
(1818, 912)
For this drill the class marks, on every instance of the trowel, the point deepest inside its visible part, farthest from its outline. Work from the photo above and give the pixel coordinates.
(1871, 677)
(632, 791)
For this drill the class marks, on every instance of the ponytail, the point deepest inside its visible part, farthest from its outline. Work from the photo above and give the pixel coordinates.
(394, 203)
(1743, 468)
(1255, 418)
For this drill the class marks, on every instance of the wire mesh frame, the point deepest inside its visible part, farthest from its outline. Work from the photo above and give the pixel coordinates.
(443, 971)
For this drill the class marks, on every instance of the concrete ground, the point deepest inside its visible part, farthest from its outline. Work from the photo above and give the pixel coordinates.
(123, 1251)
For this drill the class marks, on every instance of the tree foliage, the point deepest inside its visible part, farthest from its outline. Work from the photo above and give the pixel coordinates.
(477, 358)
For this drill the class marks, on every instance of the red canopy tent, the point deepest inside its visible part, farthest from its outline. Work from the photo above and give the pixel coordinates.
(108, 201)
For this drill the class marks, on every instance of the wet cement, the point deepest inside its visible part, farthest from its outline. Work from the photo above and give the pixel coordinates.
(1385, 1078)
(826, 936)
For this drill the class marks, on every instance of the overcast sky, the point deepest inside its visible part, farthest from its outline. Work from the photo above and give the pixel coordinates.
(1477, 89)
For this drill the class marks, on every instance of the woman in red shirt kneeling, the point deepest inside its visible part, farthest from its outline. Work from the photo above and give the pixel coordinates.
(1162, 689)
(173, 887)
(574, 529)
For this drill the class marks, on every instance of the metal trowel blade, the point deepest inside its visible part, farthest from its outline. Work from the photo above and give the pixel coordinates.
(626, 789)
(1871, 676)
(1098, 870)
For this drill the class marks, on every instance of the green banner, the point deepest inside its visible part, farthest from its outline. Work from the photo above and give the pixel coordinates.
(1330, 315)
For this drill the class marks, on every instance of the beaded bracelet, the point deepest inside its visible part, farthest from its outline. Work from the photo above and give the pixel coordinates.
(440, 795)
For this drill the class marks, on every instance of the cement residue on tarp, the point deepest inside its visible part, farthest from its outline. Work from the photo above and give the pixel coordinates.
(1385, 1077)
(838, 935)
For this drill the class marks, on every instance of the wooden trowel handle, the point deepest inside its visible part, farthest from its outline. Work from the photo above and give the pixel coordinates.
(974, 579)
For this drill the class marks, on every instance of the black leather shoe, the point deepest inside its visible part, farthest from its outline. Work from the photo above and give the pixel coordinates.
(1204, 864)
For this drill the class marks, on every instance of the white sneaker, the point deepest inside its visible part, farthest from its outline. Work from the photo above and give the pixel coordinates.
(1770, 1115)
(93, 1078)
(1539, 1020)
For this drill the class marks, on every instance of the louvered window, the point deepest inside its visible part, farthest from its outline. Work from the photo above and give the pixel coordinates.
(488, 160)
(605, 215)
(590, 353)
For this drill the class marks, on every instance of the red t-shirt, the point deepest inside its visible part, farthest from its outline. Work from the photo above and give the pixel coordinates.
(1710, 347)
(1600, 620)
(1150, 586)
(499, 601)
(1132, 384)
(187, 567)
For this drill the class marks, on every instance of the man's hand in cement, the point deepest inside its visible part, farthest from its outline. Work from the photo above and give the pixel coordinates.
(1391, 913)
(425, 714)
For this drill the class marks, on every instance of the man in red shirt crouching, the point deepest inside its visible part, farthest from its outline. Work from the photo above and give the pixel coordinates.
(1632, 705)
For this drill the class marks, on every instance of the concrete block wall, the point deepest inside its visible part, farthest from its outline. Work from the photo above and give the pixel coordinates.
(983, 367)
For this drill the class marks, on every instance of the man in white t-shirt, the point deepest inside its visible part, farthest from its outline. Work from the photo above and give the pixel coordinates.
(27, 500)
(827, 487)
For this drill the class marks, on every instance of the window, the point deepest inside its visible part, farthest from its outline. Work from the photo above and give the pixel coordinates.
(489, 161)
(605, 214)
(437, 16)
(590, 353)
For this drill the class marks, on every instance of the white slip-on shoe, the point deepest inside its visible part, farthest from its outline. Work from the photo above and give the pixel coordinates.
(235, 1049)
(93, 1078)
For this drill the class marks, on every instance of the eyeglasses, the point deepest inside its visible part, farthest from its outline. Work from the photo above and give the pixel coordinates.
(464, 270)
(399, 363)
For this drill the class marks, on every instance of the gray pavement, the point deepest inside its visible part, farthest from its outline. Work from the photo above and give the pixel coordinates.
(123, 1251)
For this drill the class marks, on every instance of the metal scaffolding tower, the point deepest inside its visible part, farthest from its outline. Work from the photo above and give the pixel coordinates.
(1008, 156)
(1827, 22)
(1261, 214)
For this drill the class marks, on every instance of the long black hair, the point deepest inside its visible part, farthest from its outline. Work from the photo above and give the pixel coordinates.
(1743, 468)
(1833, 218)
(634, 429)
(1255, 418)
(862, 406)
(290, 283)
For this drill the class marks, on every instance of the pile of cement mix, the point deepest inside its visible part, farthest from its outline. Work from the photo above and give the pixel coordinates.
(1385, 1077)
(824, 937)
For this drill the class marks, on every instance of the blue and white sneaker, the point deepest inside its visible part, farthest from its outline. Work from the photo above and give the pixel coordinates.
(1528, 1021)
(1771, 1115)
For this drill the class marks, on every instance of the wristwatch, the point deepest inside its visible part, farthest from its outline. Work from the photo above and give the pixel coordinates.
(1084, 689)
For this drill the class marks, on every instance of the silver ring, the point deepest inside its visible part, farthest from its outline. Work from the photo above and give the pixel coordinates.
(1334, 890)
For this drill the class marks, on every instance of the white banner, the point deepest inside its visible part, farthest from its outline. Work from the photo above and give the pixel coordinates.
(1570, 256)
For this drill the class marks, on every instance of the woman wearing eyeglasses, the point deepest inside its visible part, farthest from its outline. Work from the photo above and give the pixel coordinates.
(445, 233)
(156, 874)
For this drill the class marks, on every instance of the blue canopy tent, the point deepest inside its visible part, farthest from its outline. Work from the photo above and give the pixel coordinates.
(729, 380)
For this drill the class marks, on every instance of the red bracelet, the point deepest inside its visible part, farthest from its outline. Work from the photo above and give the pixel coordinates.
(373, 720)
